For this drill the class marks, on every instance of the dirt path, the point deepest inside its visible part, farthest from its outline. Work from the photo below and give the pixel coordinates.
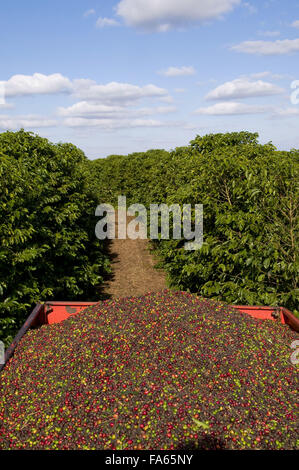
(133, 271)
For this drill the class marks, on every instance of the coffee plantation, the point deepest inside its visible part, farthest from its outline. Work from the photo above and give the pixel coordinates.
(250, 199)
(49, 194)
(48, 249)
(177, 369)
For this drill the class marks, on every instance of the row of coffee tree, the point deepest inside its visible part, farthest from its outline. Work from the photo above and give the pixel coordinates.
(249, 192)
(47, 245)
(49, 192)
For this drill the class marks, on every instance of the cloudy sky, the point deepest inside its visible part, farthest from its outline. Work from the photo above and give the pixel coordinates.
(121, 76)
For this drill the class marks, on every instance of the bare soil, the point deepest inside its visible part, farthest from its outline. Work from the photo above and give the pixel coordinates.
(133, 269)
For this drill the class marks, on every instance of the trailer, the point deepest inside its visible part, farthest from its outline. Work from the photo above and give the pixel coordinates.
(51, 312)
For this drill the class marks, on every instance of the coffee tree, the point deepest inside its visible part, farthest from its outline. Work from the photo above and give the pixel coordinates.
(47, 245)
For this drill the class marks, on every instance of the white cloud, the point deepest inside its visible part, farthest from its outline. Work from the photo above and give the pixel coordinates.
(20, 85)
(178, 71)
(295, 24)
(260, 74)
(243, 88)
(117, 92)
(6, 105)
(84, 109)
(89, 13)
(162, 110)
(102, 22)
(84, 89)
(166, 99)
(269, 34)
(86, 114)
(113, 123)
(193, 127)
(80, 83)
(27, 122)
(161, 16)
(109, 106)
(231, 108)
(278, 47)
(287, 112)
(272, 76)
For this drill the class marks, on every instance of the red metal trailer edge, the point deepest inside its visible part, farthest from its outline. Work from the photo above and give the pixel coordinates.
(57, 311)
(36, 317)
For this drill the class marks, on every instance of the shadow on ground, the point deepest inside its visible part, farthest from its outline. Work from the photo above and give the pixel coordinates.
(203, 443)
(102, 291)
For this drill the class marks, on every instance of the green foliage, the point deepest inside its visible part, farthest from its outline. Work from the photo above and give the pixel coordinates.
(209, 142)
(250, 201)
(137, 176)
(49, 192)
(47, 245)
(250, 197)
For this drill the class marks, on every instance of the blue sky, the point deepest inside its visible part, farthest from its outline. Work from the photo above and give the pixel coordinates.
(115, 77)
